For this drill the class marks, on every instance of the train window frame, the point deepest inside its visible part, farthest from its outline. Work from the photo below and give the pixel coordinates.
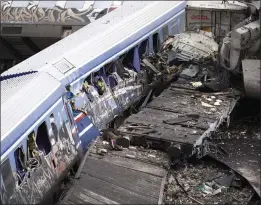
(100, 77)
(87, 92)
(9, 192)
(45, 137)
(128, 58)
(146, 48)
(165, 32)
(107, 67)
(156, 48)
(27, 144)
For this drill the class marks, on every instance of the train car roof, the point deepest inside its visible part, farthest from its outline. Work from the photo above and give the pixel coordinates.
(95, 43)
(24, 99)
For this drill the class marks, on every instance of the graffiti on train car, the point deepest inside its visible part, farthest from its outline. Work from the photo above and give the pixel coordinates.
(32, 14)
(43, 171)
(119, 93)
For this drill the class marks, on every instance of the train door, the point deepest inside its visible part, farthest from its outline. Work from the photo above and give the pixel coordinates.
(87, 131)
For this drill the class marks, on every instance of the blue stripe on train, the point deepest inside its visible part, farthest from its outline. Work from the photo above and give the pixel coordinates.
(87, 131)
(6, 77)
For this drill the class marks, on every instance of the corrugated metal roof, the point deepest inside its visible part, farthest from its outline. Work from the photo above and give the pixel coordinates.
(94, 39)
(11, 86)
(22, 95)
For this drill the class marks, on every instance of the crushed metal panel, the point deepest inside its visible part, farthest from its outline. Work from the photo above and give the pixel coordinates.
(199, 47)
(63, 66)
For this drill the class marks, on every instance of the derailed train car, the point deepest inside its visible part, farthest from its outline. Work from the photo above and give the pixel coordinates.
(54, 103)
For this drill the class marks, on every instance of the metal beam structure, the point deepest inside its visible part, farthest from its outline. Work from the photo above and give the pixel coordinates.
(12, 49)
(29, 42)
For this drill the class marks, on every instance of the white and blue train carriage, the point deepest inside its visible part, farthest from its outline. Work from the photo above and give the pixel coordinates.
(109, 47)
(38, 137)
(36, 112)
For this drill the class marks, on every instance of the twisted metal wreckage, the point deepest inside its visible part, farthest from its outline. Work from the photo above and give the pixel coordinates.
(192, 114)
(191, 100)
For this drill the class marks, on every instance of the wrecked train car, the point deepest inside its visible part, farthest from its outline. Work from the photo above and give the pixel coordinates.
(84, 82)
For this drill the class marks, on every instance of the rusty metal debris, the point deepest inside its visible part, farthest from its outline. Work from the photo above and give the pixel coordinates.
(192, 46)
(197, 181)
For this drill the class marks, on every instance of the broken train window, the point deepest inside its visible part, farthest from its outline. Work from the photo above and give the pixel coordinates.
(20, 163)
(99, 83)
(7, 177)
(119, 68)
(42, 139)
(86, 90)
(109, 70)
(32, 150)
(143, 48)
(131, 59)
(156, 42)
(128, 59)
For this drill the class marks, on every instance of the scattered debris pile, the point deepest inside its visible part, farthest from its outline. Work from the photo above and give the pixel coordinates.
(205, 183)
(110, 143)
(192, 46)
(241, 143)
(190, 59)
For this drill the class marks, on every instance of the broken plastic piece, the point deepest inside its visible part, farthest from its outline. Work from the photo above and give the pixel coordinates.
(206, 105)
(196, 84)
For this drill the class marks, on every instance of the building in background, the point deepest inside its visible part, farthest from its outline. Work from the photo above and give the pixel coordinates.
(28, 27)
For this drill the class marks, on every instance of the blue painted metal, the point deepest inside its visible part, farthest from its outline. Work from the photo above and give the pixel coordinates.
(86, 130)
(136, 60)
